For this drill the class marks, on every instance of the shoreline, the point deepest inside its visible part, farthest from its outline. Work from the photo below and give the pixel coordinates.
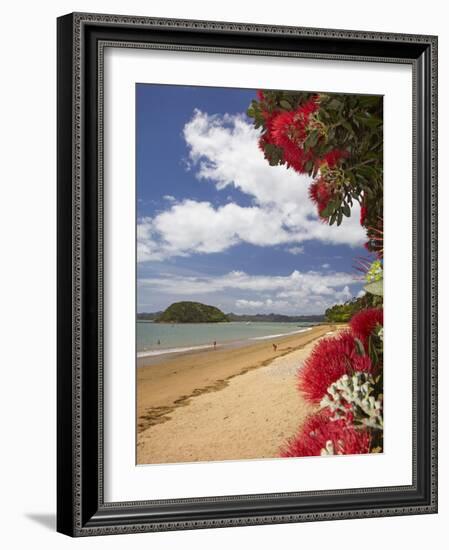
(197, 385)
(156, 354)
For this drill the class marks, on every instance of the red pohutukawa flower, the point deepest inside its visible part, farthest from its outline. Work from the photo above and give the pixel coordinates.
(320, 194)
(269, 118)
(329, 360)
(364, 323)
(333, 157)
(287, 127)
(288, 130)
(296, 157)
(318, 430)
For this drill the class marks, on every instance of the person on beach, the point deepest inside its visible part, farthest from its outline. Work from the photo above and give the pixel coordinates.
(215, 344)
(158, 342)
(275, 347)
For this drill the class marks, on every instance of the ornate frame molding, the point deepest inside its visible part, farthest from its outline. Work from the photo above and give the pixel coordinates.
(82, 510)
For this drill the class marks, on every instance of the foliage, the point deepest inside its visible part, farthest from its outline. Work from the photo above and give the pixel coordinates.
(342, 313)
(345, 375)
(191, 312)
(331, 359)
(364, 324)
(322, 436)
(374, 273)
(338, 141)
(351, 398)
(335, 138)
(376, 288)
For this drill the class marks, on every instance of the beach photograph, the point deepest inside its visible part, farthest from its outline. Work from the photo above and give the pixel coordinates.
(259, 244)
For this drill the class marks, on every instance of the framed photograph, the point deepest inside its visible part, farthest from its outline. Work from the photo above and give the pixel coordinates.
(247, 274)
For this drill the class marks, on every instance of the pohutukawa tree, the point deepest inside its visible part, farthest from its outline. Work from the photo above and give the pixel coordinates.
(338, 141)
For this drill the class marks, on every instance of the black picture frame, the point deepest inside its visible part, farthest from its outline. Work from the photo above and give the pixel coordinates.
(81, 510)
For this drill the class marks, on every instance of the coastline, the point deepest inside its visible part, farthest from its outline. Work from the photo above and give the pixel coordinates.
(228, 403)
(155, 354)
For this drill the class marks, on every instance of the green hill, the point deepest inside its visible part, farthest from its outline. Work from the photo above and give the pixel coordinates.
(191, 312)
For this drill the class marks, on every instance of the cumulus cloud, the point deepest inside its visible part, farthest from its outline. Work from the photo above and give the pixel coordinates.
(299, 292)
(223, 151)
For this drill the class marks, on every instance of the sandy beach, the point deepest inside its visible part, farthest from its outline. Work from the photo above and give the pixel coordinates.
(222, 404)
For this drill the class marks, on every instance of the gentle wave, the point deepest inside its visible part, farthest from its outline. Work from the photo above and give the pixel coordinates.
(171, 350)
(269, 336)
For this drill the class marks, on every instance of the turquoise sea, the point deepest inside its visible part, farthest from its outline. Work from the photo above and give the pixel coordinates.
(157, 338)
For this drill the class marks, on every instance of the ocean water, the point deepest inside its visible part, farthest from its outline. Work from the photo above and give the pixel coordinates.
(160, 338)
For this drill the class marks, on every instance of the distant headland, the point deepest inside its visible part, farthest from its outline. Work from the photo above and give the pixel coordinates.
(191, 312)
(196, 312)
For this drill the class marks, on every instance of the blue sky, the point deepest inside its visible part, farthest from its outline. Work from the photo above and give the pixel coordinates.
(217, 224)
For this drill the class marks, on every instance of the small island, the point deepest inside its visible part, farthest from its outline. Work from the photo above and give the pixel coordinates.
(191, 312)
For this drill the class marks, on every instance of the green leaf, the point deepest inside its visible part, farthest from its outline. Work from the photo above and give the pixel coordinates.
(285, 105)
(376, 288)
(367, 171)
(346, 210)
(329, 210)
(309, 166)
(347, 126)
(311, 140)
(314, 135)
(334, 104)
(371, 122)
(359, 346)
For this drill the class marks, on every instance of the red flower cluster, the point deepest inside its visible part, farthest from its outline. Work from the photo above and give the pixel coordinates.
(288, 130)
(320, 194)
(318, 429)
(363, 323)
(330, 359)
(332, 158)
(291, 126)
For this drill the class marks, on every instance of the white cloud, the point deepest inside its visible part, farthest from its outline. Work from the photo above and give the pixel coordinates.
(267, 305)
(299, 292)
(325, 266)
(169, 198)
(224, 152)
(295, 250)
